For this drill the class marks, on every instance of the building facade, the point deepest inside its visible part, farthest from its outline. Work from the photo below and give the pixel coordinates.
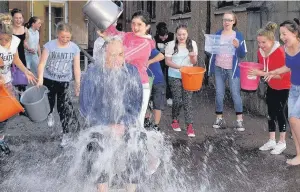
(53, 11)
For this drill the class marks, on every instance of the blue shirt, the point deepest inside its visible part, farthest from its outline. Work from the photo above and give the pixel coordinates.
(111, 96)
(59, 65)
(155, 68)
(293, 62)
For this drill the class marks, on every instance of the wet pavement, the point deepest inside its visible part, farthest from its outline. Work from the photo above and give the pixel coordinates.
(220, 160)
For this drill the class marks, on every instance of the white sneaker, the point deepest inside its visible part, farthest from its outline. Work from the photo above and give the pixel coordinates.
(66, 139)
(240, 125)
(268, 146)
(219, 123)
(279, 148)
(170, 102)
(51, 121)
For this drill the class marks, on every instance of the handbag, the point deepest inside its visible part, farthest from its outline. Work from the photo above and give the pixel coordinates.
(18, 77)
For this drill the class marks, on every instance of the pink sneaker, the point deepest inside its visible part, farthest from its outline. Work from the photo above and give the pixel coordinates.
(175, 125)
(190, 131)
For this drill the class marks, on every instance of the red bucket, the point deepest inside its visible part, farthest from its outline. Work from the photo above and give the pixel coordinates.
(249, 82)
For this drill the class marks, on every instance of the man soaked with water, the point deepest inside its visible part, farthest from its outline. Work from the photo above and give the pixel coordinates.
(111, 95)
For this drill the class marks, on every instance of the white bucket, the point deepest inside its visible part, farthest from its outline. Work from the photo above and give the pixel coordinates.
(36, 103)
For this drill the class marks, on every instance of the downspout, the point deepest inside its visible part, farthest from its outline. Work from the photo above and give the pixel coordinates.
(207, 31)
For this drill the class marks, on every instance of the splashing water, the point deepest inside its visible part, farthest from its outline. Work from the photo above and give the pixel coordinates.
(98, 154)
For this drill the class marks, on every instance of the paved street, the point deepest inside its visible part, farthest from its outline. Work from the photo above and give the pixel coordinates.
(216, 160)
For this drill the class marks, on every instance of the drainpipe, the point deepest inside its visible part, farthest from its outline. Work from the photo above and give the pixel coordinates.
(207, 31)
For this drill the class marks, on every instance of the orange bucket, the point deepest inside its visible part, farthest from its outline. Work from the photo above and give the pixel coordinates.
(9, 106)
(192, 78)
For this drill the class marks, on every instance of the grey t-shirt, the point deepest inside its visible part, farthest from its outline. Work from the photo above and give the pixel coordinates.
(59, 65)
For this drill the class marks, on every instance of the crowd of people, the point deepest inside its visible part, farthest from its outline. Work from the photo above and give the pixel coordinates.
(149, 69)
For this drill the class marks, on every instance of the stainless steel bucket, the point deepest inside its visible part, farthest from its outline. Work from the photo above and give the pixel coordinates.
(102, 13)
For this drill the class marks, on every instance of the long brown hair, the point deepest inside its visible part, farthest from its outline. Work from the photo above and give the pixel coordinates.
(189, 45)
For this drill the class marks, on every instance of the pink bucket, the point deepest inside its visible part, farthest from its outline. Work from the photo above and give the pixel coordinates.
(249, 82)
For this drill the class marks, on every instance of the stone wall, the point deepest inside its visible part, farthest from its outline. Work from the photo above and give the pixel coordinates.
(3, 6)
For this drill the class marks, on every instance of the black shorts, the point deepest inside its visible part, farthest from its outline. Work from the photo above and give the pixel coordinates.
(159, 96)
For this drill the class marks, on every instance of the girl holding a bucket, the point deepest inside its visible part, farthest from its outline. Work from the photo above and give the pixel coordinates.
(290, 35)
(225, 66)
(33, 53)
(272, 56)
(8, 55)
(59, 59)
(179, 53)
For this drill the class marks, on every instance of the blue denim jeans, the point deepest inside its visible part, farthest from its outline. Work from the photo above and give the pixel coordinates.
(221, 75)
(294, 102)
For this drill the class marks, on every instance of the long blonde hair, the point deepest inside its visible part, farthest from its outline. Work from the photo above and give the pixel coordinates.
(6, 24)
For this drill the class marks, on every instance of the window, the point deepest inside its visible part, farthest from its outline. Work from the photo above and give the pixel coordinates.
(224, 3)
(140, 5)
(151, 9)
(187, 6)
(243, 2)
(230, 3)
(176, 7)
(180, 7)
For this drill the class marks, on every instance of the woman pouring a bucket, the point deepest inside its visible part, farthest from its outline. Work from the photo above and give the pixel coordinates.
(225, 66)
(272, 56)
(138, 46)
(290, 35)
(181, 52)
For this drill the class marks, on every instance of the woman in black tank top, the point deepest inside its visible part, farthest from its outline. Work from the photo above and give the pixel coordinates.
(21, 48)
(17, 28)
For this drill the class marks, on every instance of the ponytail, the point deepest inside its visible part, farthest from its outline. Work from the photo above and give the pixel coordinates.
(31, 21)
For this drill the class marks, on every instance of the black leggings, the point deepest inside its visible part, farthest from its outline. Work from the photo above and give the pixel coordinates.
(277, 108)
(64, 105)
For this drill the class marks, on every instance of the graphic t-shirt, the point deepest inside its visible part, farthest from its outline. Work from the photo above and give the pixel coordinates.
(59, 65)
(181, 58)
(7, 56)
